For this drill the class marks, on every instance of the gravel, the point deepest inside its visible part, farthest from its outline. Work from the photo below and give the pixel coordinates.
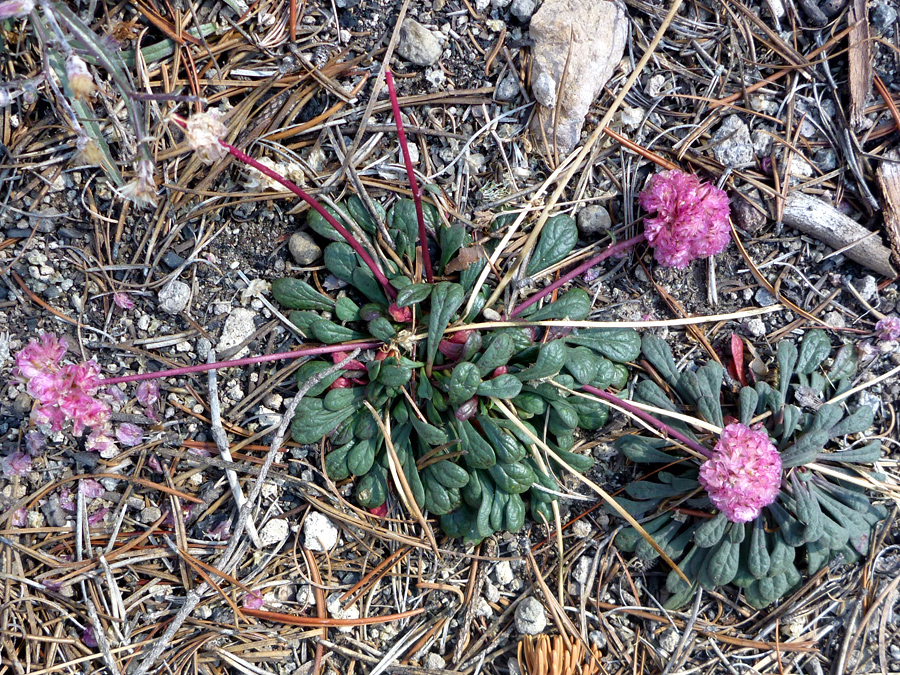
(174, 297)
(530, 617)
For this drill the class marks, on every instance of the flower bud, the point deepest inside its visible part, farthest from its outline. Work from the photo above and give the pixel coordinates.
(81, 83)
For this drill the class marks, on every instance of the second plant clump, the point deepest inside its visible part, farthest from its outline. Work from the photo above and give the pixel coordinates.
(463, 406)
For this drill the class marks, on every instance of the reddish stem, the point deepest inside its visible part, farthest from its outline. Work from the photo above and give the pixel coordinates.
(647, 417)
(583, 267)
(413, 183)
(249, 361)
(350, 239)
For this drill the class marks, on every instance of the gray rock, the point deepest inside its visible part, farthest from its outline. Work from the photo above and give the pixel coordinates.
(523, 9)
(434, 662)
(508, 87)
(491, 593)
(503, 572)
(481, 5)
(835, 320)
(596, 32)
(174, 297)
(764, 298)
(530, 617)
(867, 287)
(319, 533)
(731, 143)
(756, 327)
(500, 4)
(238, 327)
(150, 514)
(18, 232)
(594, 220)
(669, 639)
(172, 260)
(746, 216)
(45, 220)
(883, 16)
(418, 44)
(598, 639)
(303, 248)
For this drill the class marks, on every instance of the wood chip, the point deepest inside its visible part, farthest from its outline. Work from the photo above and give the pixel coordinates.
(889, 181)
(860, 56)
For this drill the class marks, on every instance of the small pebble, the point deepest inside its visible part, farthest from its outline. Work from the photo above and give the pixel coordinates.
(434, 662)
(594, 220)
(582, 529)
(418, 44)
(303, 248)
(150, 514)
(174, 297)
(274, 532)
(668, 640)
(319, 532)
(530, 617)
(503, 572)
(764, 298)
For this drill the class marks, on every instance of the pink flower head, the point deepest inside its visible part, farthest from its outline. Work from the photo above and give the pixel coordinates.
(34, 441)
(19, 517)
(97, 518)
(123, 301)
(744, 473)
(253, 601)
(87, 637)
(691, 218)
(16, 464)
(90, 488)
(13, 9)
(129, 434)
(100, 440)
(40, 357)
(147, 393)
(888, 328)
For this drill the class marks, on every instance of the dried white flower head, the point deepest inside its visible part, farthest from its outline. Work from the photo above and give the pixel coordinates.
(13, 9)
(203, 133)
(81, 82)
(142, 188)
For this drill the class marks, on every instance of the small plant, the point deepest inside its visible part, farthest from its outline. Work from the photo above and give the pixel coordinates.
(768, 501)
(436, 383)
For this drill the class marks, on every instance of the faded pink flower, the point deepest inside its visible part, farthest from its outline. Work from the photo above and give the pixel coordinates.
(147, 393)
(252, 601)
(34, 441)
(744, 473)
(19, 518)
(16, 464)
(87, 637)
(67, 499)
(141, 190)
(888, 328)
(100, 440)
(691, 218)
(203, 132)
(13, 9)
(221, 531)
(129, 434)
(96, 518)
(90, 488)
(123, 301)
(40, 357)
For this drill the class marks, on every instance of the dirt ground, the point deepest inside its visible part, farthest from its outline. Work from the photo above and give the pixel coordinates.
(296, 90)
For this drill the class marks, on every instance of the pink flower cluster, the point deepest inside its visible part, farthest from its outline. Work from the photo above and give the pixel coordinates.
(888, 328)
(744, 473)
(64, 393)
(691, 218)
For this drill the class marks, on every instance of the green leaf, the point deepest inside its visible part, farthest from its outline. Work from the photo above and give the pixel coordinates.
(557, 239)
(393, 373)
(439, 500)
(856, 423)
(446, 298)
(814, 348)
(321, 226)
(382, 329)
(346, 310)
(657, 352)
(550, 360)
(331, 333)
(722, 563)
(296, 294)
(503, 386)
(749, 399)
(867, 454)
(357, 210)
(574, 306)
(531, 403)
(464, 383)
(336, 463)
(584, 365)
(365, 283)
(514, 478)
(507, 448)
(341, 260)
(641, 451)
(413, 294)
(617, 344)
(361, 457)
(372, 489)
(710, 532)
(338, 399)
(451, 240)
(579, 463)
(447, 473)
(804, 450)
(428, 433)
(644, 489)
(479, 453)
(592, 415)
(312, 368)
(311, 421)
(757, 552)
(498, 353)
(786, 355)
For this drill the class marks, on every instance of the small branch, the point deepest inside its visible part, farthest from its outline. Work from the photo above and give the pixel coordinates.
(413, 183)
(100, 637)
(650, 419)
(583, 267)
(218, 432)
(248, 361)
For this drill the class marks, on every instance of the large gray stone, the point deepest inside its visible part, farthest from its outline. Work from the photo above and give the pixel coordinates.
(174, 297)
(303, 248)
(597, 31)
(732, 145)
(418, 44)
(530, 617)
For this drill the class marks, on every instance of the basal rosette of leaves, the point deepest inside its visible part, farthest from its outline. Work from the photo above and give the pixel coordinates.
(815, 517)
(462, 459)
